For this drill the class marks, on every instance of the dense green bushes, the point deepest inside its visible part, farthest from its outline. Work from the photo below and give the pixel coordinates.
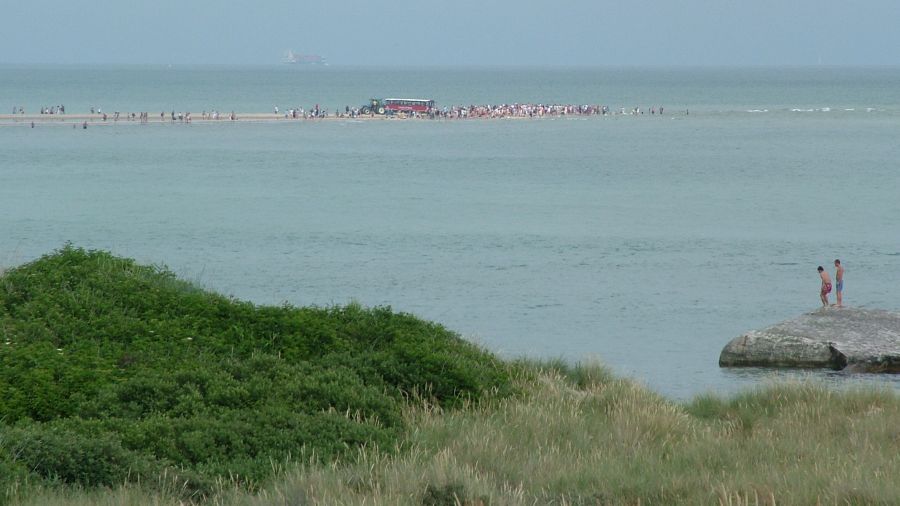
(111, 371)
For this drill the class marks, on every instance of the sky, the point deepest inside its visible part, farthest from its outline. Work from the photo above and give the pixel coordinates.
(457, 32)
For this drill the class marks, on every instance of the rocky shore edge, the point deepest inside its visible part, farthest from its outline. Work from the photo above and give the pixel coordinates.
(849, 339)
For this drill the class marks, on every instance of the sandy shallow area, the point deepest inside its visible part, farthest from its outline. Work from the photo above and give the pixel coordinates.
(97, 119)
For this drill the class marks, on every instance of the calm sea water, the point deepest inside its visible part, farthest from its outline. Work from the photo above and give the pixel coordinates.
(646, 242)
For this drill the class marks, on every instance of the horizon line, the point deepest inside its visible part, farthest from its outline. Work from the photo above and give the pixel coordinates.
(463, 66)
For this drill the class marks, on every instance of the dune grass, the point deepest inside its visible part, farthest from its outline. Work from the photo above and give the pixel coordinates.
(603, 440)
(579, 436)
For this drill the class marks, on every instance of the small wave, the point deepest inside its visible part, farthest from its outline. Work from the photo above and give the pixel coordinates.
(802, 110)
(507, 267)
(757, 110)
(543, 306)
(825, 109)
(849, 110)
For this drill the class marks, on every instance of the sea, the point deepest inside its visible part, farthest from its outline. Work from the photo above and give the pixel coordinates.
(643, 241)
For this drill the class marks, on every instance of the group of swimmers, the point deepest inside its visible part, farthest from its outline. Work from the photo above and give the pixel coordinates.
(477, 111)
(485, 111)
(535, 111)
(826, 284)
(144, 117)
(212, 115)
(316, 112)
(53, 109)
(455, 112)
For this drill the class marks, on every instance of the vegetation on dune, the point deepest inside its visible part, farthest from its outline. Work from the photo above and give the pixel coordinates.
(580, 436)
(113, 372)
(180, 412)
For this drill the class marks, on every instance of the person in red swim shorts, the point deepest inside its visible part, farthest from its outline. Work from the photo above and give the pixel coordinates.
(826, 285)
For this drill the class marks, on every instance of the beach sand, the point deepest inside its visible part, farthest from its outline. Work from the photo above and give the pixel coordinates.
(97, 119)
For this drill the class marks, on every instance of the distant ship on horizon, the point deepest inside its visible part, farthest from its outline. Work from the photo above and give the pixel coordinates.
(303, 59)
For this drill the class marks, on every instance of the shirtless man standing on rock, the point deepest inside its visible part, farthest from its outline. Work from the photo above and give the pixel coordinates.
(826, 285)
(839, 282)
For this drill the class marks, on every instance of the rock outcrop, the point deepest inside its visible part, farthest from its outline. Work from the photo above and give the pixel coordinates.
(859, 340)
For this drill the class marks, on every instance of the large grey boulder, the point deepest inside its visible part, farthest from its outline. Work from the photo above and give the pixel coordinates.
(863, 340)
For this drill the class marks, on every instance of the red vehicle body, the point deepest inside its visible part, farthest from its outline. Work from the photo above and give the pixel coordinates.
(408, 105)
(396, 105)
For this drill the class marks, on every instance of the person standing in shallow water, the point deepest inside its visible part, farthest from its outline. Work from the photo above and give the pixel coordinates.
(826, 286)
(839, 282)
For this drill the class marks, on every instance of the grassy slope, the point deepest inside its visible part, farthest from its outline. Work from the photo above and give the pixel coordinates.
(112, 372)
(583, 437)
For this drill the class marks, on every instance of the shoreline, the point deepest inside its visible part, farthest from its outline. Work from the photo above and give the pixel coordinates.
(484, 112)
(97, 119)
(76, 120)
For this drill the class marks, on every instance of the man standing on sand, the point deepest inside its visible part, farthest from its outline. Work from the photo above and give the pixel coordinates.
(826, 285)
(839, 282)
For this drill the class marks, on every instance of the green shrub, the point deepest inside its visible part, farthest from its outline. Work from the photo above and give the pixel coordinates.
(58, 453)
(138, 372)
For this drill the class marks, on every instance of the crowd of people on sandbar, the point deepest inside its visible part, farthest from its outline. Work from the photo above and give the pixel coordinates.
(317, 112)
(483, 111)
(515, 110)
(534, 111)
(54, 109)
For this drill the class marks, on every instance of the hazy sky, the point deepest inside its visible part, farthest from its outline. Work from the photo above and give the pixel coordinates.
(457, 32)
